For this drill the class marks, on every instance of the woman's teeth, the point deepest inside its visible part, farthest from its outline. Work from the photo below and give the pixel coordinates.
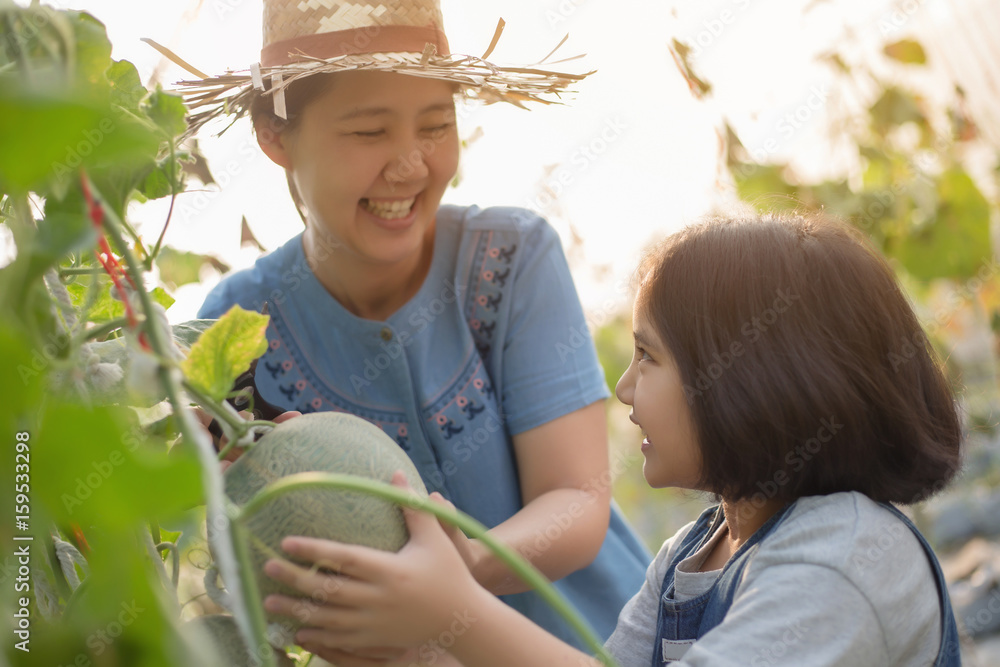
(390, 210)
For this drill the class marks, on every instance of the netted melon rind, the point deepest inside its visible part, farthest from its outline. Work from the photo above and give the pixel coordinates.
(324, 442)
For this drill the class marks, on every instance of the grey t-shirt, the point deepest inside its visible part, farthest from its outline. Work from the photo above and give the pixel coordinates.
(841, 581)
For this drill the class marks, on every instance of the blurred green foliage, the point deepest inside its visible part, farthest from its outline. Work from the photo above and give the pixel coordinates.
(96, 479)
(918, 204)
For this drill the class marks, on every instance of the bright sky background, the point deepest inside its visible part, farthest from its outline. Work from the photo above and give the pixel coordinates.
(650, 164)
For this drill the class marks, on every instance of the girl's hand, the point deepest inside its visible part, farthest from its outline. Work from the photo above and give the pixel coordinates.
(364, 597)
(395, 657)
(425, 656)
(470, 550)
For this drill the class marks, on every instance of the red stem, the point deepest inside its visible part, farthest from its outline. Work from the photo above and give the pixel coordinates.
(111, 264)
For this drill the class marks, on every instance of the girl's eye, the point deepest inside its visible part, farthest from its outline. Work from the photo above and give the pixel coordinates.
(642, 355)
(370, 133)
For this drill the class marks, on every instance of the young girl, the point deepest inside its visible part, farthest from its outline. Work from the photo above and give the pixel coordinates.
(778, 365)
(440, 324)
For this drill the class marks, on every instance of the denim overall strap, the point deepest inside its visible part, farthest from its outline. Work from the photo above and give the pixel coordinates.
(948, 655)
(679, 624)
(703, 527)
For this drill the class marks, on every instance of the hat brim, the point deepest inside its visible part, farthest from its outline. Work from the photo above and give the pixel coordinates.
(232, 93)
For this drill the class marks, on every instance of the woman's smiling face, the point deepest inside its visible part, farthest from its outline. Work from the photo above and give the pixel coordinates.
(652, 385)
(371, 158)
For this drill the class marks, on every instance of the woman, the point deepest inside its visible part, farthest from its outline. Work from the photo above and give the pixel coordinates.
(443, 325)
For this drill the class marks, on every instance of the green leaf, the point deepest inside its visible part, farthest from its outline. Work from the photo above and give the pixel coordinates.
(764, 186)
(156, 185)
(187, 333)
(168, 112)
(64, 229)
(38, 134)
(106, 308)
(170, 535)
(907, 51)
(127, 90)
(64, 51)
(44, 137)
(93, 49)
(956, 241)
(180, 267)
(38, 35)
(95, 467)
(21, 377)
(160, 296)
(165, 178)
(877, 173)
(893, 108)
(225, 351)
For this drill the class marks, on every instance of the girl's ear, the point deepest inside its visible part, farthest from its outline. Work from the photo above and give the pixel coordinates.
(272, 139)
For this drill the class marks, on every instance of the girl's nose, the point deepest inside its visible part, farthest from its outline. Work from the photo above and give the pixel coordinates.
(624, 388)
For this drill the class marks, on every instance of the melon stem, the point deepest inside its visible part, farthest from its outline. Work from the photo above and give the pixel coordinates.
(227, 414)
(474, 529)
(98, 332)
(233, 442)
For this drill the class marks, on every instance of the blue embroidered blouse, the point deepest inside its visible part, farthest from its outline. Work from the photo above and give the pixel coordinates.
(493, 344)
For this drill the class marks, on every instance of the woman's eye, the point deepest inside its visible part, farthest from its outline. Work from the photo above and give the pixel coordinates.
(641, 354)
(369, 133)
(438, 129)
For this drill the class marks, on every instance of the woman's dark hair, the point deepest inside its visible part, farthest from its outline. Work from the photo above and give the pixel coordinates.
(298, 95)
(805, 368)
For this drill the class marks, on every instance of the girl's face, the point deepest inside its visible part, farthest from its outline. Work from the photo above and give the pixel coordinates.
(653, 387)
(371, 158)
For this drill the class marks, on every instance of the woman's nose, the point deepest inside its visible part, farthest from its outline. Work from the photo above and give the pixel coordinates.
(409, 165)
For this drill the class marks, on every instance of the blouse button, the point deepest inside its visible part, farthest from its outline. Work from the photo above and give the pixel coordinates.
(386, 334)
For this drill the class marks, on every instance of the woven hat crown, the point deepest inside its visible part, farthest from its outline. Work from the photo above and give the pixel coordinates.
(288, 19)
(300, 29)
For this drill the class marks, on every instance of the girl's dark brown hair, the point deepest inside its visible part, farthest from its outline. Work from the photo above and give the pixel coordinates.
(805, 368)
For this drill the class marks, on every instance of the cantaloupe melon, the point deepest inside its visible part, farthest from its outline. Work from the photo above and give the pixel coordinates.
(225, 638)
(325, 442)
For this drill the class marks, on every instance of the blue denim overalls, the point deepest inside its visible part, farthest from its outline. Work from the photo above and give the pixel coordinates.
(680, 623)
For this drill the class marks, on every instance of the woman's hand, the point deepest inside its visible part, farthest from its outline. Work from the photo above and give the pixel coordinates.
(206, 421)
(364, 597)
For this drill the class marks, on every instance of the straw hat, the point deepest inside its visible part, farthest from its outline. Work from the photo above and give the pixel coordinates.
(306, 37)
